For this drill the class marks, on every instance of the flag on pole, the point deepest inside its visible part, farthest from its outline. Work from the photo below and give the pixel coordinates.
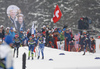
(57, 14)
(33, 29)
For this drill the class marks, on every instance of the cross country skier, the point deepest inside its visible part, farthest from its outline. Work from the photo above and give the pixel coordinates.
(87, 41)
(32, 44)
(41, 46)
(6, 59)
(16, 44)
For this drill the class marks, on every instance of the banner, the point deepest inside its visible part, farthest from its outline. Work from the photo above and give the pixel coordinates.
(97, 45)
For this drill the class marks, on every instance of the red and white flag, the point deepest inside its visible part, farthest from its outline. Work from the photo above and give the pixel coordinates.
(57, 14)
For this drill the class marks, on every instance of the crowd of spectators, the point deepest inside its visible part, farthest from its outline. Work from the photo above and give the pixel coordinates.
(72, 42)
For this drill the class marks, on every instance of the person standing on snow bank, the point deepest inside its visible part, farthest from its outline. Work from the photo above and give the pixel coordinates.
(41, 46)
(67, 39)
(6, 59)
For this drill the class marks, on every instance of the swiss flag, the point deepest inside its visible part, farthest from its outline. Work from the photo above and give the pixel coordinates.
(57, 14)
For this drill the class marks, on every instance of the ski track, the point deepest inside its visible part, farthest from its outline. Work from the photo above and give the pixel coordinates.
(71, 60)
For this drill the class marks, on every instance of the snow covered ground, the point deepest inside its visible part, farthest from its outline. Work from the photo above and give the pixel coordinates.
(71, 60)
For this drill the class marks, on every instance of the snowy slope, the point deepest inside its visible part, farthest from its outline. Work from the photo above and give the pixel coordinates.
(71, 60)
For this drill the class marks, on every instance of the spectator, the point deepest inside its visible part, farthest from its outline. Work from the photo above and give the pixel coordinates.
(77, 36)
(81, 42)
(67, 39)
(1, 34)
(3, 31)
(81, 25)
(12, 33)
(44, 29)
(50, 40)
(61, 36)
(93, 44)
(7, 31)
(55, 37)
(47, 34)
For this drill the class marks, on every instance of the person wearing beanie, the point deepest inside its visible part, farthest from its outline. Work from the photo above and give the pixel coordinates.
(1, 34)
(7, 31)
(3, 31)
(67, 39)
(31, 44)
(16, 45)
(12, 33)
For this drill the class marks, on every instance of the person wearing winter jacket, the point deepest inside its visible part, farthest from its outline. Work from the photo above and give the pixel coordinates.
(81, 42)
(50, 40)
(12, 33)
(77, 36)
(1, 35)
(67, 39)
(93, 44)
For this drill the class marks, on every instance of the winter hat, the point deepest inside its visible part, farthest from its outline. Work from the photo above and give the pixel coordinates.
(84, 31)
(8, 28)
(16, 35)
(44, 26)
(2, 26)
(21, 29)
(11, 28)
(81, 18)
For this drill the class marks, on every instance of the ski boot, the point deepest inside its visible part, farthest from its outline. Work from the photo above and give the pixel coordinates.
(38, 57)
(84, 53)
(32, 58)
(17, 56)
(43, 57)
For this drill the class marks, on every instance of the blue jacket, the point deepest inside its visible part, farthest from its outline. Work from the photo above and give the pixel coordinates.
(8, 39)
(21, 36)
(12, 34)
(41, 42)
(68, 36)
